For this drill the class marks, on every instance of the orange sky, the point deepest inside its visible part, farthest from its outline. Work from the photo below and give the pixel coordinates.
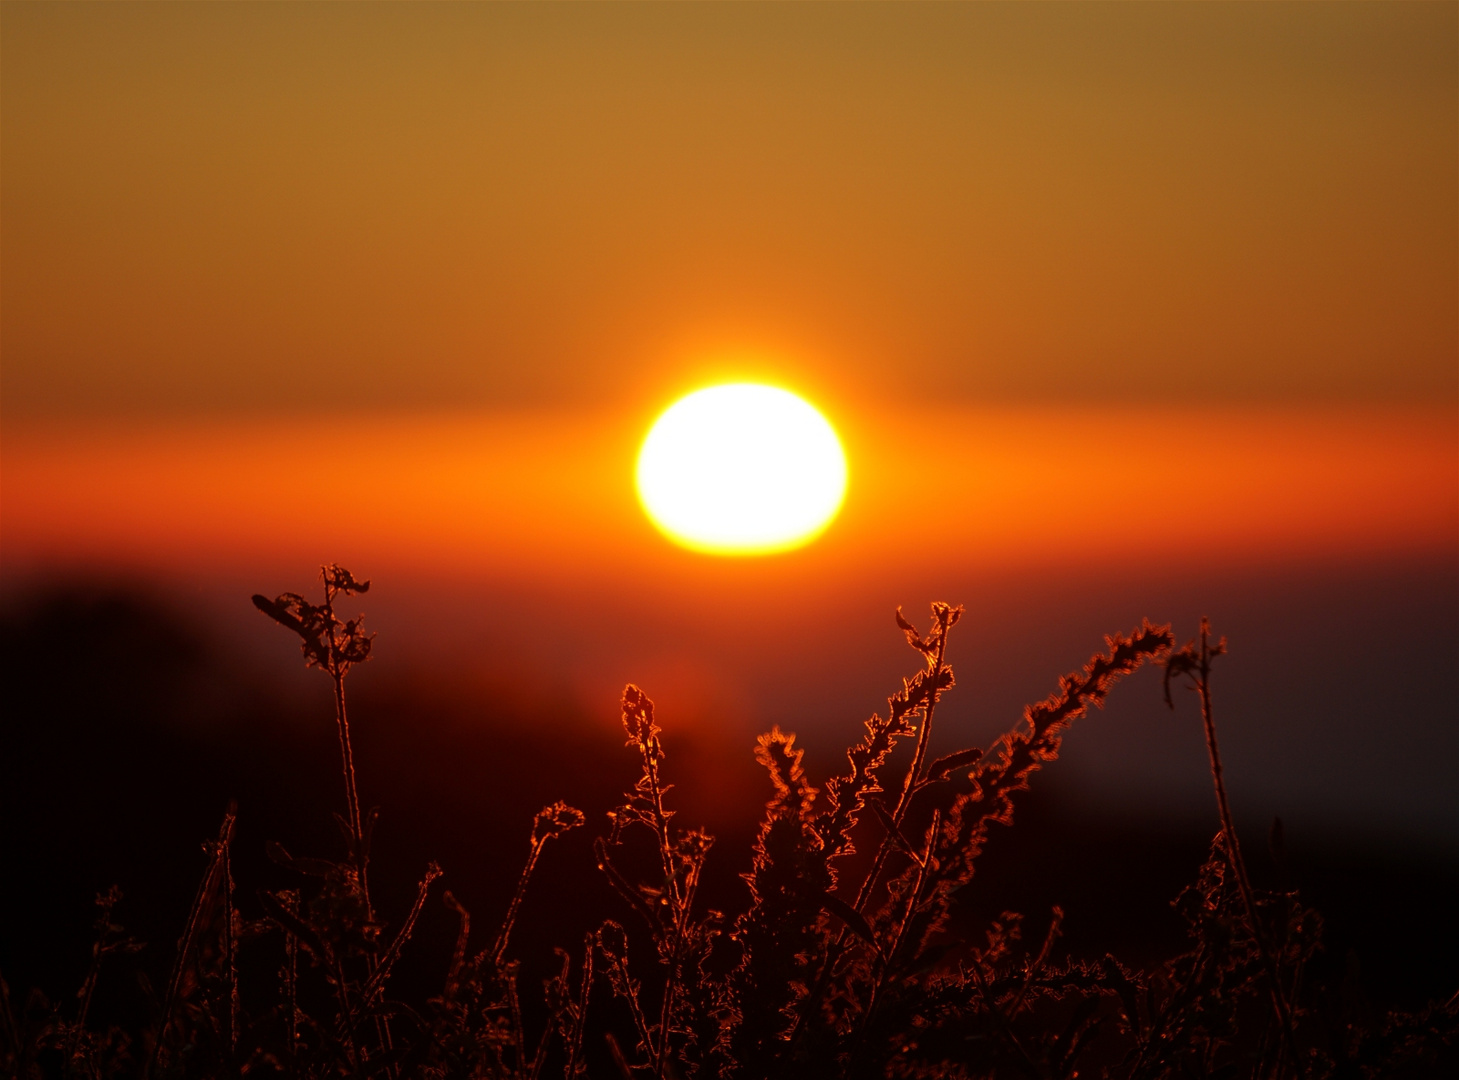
(1122, 310)
(264, 209)
(546, 499)
(403, 286)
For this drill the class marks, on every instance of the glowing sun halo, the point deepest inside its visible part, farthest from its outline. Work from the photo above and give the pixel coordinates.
(741, 469)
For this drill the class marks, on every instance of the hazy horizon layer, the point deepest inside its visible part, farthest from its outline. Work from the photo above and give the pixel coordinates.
(511, 563)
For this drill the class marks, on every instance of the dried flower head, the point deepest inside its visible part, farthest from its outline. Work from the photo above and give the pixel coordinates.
(613, 941)
(552, 821)
(638, 717)
(1193, 659)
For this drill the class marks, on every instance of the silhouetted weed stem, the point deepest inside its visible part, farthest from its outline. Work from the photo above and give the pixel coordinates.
(334, 647)
(849, 795)
(337, 668)
(230, 948)
(514, 1011)
(285, 910)
(613, 943)
(638, 720)
(102, 945)
(666, 906)
(289, 899)
(1193, 660)
(934, 648)
(622, 885)
(616, 1053)
(347, 757)
(928, 884)
(551, 821)
(216, 851)
(692, 850)
(925, 864)
(376, 984)
(575, 1040)
(458, 954)
(539, 1056)
(562, 1013)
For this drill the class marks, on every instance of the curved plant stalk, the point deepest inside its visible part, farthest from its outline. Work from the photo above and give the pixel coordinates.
(551, 821)
(575, 1041)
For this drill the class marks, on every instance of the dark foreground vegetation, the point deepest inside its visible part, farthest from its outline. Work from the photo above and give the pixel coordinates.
(854, 956)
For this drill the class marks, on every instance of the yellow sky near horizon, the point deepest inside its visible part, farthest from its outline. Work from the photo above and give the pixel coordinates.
(220, 210)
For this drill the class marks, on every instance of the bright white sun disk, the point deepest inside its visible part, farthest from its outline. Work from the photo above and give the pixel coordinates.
(742, 469)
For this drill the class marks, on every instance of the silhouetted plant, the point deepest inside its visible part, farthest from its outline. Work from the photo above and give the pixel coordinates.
(817, 977)
(334, 646)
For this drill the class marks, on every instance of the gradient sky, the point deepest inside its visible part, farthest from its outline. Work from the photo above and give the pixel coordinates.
(1142, 309)
(265, 208)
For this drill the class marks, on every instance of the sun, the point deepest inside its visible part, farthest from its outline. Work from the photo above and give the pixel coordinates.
(741, 469)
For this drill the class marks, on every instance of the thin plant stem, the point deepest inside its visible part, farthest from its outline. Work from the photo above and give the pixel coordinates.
(185, 945)
(291, 981)
(499, 949)
(909, 783)
(514, 1008)
(1232, 844)
(904, 801)
(640, 1022)
(661, 822)
(914, 899)
(337, 670)
(348, 758)
(230, 947)
(550, 822)
(671, 987)
(575, 1045)
(105, 901)
(539, 1057)
(616, 1052)
(376, 984)
(458, 954)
